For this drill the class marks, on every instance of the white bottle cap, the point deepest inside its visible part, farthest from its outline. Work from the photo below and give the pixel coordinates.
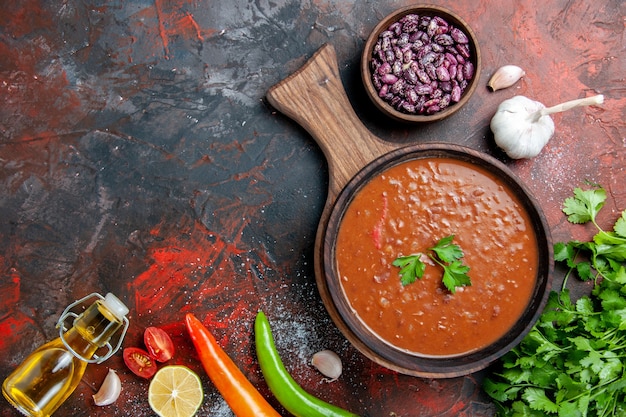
(115, 306)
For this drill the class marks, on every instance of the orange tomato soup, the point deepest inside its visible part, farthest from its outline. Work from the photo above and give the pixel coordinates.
(407, 209)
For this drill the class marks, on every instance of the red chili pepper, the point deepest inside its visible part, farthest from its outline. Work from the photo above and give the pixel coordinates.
(238, 392)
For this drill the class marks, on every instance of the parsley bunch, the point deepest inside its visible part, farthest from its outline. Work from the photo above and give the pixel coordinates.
(572, 363)
(447, 255)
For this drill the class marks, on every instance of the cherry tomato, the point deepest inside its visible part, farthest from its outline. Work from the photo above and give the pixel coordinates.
(140, 362)
(159, 344)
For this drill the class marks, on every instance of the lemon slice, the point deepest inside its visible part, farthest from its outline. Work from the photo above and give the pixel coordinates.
(175, 391)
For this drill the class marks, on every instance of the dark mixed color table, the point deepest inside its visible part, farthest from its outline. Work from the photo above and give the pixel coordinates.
(139, 156)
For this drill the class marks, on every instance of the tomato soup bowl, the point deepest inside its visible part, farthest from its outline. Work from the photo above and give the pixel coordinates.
(423, 328)
(491, 215)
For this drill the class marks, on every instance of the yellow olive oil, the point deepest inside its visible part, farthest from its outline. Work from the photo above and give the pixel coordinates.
(49, 375)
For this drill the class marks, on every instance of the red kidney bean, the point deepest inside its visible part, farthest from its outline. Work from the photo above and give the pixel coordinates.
(432, 28)
(410, 25)
(442, 24)
(421, 65)
(384, 68)
(398, 87)
(458, 36)
(383, 90)
(455, 94)
(411, 96)
(444, 39)
(438, 48)
(410, 76)
(459, 72)
(389, 55)
(463, 50)
(407, 107)
(414, 38)
(407, 56)
(424, 89)
(428, 58)
(377, 83)
(423, 77)
(431, 71)
(445, 101)
(452, 68)
(439, 60)
(388, 79)
(403, 40)
(397, 52)
(442, 73)
(468, 70)
(451, 58)
(432, 109)
(432, 102)
(396, 68)
(396, 28)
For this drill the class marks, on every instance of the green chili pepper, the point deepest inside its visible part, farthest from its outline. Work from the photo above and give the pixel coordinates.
(286, 390)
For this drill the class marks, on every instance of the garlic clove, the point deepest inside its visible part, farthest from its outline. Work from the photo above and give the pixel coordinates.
(505, 76)
(109, 390)
(328, 363)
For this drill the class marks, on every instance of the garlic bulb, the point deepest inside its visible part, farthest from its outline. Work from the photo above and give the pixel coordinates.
(522, 127)
(505, 76)
(109, 390)
(328, 363)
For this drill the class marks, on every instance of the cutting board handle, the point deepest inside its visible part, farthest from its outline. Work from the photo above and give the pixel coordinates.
(315, 98)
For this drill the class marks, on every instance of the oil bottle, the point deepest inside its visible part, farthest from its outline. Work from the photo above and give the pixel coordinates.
(49, 375)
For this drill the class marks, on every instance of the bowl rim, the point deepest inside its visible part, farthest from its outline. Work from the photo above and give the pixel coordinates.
(382, 352)
(432, 10)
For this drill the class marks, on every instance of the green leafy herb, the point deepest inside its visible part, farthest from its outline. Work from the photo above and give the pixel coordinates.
(446, 254)
(412, 268)
(446, 250)
(455, 275)
(603, 257)
(570, 364)
(572, 361)
(585, 205)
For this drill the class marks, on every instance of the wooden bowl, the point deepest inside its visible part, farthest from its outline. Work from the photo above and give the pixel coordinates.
(387, 351)
(421, 10)
(314, 97)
